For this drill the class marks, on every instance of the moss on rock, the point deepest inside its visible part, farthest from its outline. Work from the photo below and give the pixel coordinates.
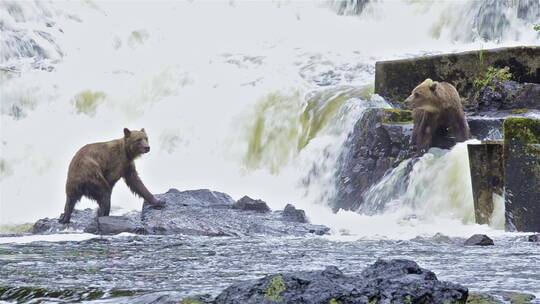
(275, 288)
(190, 301)
(519, 111)
(525, 130)
(479, 298)
(397, 116)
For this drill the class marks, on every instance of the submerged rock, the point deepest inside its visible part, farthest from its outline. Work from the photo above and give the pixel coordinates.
(193, 212)
(248, 204)
(534, 238)
(480, 240)
(392, 281)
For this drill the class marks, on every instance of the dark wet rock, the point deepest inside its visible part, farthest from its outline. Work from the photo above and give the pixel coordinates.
(194, 212)
(507, 95)
(479, 240)
(486, 127)
(217, 219)
(291, 214)
(246, 203)
(376, 145)
(80, 219)
(116, 225)
(534, 238)
(392, 281)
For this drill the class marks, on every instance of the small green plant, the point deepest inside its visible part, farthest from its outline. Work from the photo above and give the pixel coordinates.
(275, 288)
(333, 301)
(492, 74)
(481, 57)
(536, 27)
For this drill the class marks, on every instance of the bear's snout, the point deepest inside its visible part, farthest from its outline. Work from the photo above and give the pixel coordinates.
(146, 149)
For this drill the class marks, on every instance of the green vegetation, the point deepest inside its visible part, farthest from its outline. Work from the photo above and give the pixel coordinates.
(275, 288)
(476, 298)
(18, 228)
(333, 301)
(536, 27)
(397, 116)
(190, 301)
(492, 74)
(519, 111)
(518, 298)
(526, 130)
(87, 102)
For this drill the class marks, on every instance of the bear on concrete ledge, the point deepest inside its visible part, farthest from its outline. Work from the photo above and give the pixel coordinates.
(437, 114)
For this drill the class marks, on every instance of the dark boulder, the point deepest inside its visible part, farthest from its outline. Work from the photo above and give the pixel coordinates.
(479, 240)
(394, 281)
(534, 238)
(246, 203)
(291, 214)
(507, 95)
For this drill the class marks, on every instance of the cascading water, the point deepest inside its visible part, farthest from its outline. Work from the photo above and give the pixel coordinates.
(232, 99)
(253, 98)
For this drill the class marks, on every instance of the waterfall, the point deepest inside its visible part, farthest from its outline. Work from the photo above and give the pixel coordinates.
(240, 97)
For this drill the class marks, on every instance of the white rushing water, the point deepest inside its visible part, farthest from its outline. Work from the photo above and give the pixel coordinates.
(248, 98)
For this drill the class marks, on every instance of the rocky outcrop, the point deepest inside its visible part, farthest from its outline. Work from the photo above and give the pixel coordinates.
(193, 212)
(479, 240)
(379, 142)
(395, 79)
(248, 204)
(393, 281)
(510, 96)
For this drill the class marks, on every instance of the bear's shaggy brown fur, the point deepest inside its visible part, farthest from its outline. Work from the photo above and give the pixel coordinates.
(437, 110)
(95, 169)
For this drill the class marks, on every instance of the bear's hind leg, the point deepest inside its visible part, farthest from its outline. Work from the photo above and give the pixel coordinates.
(104, 202)
(71, 200)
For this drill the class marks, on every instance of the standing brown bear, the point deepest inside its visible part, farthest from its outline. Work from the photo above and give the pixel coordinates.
(437, 111)
(95, 169)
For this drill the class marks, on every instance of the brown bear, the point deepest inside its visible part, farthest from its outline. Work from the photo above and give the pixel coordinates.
(95, 169)
(437, 112)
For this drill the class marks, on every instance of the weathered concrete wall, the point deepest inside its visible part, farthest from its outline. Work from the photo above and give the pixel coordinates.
(395, 79)
(522, 174)
(487, 176)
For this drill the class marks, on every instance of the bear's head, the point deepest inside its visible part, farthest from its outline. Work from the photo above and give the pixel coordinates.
(136, 142)
(424, 97)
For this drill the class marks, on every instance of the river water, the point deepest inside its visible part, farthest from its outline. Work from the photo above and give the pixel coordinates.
(251, 98)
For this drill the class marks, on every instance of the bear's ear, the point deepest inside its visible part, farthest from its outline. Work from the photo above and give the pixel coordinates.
(433, 86)
(127, 132)
(142, 130)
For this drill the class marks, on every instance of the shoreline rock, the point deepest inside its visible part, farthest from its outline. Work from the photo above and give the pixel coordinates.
(385, 281)
(195, 213)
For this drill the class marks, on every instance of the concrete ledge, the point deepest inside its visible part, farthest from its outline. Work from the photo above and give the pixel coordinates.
(395, 79)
